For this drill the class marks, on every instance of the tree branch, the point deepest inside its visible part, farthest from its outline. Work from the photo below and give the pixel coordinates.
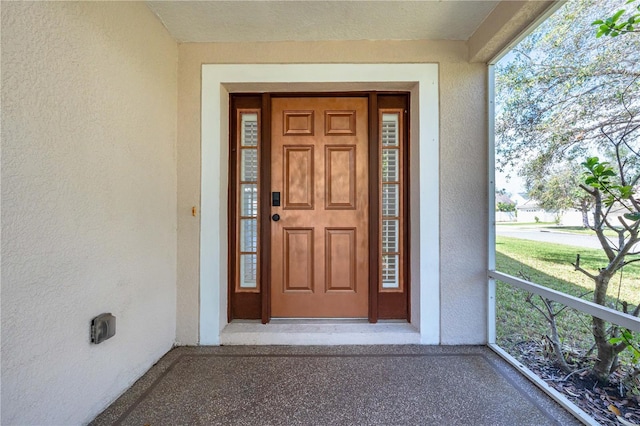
(577, 267)
(630, 261)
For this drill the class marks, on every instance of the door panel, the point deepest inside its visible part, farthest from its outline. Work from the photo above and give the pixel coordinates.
(320, 245)
(298, 177)
(340, 260)
(298, 260)
(340, 173)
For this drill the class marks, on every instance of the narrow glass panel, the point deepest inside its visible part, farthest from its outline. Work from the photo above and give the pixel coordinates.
(390, 165)
(248, 270)
(390, 199)
(249, 165)
(249, 199)
(389, 236)
(249, 130)
(390, 278)
(249, 235)
(390, 129)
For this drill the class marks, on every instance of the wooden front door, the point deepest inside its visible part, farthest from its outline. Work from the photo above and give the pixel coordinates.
(320, 229)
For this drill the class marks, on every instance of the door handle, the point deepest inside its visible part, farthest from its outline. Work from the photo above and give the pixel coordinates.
(275, 217)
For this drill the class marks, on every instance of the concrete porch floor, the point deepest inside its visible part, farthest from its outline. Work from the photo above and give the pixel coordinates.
(334, 385)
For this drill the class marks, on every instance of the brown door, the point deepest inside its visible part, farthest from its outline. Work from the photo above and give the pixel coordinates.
(319, 245)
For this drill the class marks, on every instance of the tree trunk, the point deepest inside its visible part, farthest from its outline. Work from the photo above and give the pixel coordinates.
(585, 217)
(560, 360)
(607, 352)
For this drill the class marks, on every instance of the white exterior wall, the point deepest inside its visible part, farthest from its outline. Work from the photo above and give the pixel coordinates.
(529, 215)
(573, 217)
(506, 216)
(89, 107)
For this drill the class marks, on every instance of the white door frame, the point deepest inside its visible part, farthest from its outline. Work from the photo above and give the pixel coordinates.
(219, 80)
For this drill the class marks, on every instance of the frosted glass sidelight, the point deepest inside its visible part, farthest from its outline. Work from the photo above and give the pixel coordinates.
(249, 235)
(390, 276)
(249, 165)
(249, 130)
(389, 236)
(248, 270)
(391, 190)
(390, 165)
(390, 129)
(249, 200)
(390, 200)
(247, 155)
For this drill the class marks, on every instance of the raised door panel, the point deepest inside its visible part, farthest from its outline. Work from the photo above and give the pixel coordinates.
(340, 259)
(298, 123)
(340, 123)
(298, 259)
(340, 176)
(298, 177)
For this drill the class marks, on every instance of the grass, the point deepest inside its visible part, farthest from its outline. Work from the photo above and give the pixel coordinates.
(550, 265)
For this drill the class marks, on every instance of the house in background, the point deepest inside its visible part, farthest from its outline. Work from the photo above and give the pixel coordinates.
(136, 180)
(520, 198)
(530, 211)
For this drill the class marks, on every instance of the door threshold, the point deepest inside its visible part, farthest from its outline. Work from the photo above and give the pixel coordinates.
(305, 331)
(320, 321)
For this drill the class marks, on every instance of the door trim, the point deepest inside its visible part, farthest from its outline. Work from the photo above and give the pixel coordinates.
(218, 80)
(265, 207)
(374, 208)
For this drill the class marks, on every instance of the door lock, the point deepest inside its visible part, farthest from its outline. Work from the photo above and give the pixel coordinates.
(275, 217)
(275, 199)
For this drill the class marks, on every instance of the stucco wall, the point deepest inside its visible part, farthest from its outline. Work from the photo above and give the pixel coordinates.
(89, 117)
(463, 173)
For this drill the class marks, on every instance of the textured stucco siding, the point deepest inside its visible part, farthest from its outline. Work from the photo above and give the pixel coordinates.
(463, 166)
(89, 122)
(463, 204)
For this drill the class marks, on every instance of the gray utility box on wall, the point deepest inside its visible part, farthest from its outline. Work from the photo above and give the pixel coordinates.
(103, 327)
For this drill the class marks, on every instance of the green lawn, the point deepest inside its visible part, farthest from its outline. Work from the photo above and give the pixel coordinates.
(550, 265)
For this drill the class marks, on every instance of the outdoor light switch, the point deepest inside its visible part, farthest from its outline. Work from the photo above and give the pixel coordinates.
(103, 327)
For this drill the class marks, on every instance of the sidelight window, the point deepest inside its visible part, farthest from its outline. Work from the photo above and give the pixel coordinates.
(248, 195)
(391, 199)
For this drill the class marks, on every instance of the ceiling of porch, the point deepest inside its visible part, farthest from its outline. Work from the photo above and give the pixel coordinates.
(245, 21)
(488, 26)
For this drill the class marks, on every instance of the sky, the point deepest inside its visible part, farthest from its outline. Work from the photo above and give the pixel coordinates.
(513, 185)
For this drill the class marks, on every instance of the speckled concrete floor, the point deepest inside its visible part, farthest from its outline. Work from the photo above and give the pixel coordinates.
(333, 385)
